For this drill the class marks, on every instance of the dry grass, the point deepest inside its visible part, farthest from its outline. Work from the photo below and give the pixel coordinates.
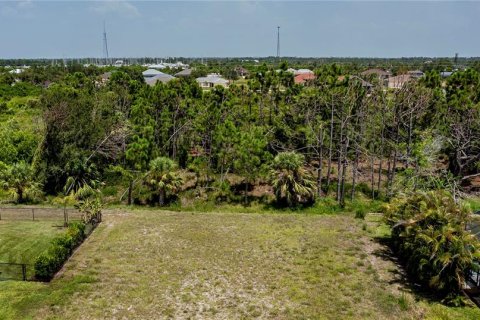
(164, 265)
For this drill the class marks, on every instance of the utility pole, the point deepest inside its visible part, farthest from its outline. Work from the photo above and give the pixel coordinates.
(278, 43)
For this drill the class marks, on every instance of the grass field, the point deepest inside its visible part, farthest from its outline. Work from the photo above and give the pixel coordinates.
(22, 242)
(177, 265)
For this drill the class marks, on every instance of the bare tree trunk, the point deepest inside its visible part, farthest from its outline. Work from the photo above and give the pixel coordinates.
(344, 169)
(320, 164)
(354, 173)
(380, 155)
(409, 142)
(339, 163)
(329, 165)
(372, 171)
(389, 169)
(394, 164)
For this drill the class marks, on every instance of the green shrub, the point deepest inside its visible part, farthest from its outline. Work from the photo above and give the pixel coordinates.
(49, 262)
(110, 191)
(360, 213)
(428, 233)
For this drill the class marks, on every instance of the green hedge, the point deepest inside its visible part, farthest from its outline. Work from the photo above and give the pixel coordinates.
(48, 263)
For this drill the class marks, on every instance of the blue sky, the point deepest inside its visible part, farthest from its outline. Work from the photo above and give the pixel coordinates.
(55, 29)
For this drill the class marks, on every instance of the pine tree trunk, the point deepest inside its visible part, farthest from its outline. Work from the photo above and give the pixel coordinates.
(344, 169)
(372, 172)
(354, 173)
(330, 147)
(339, 164)
(320, 165)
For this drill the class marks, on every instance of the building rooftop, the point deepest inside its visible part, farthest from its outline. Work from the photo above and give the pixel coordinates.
(184, 73)
(163, 77)
(151, 73)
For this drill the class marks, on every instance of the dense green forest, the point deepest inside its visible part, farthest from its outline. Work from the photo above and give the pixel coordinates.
(63, 129)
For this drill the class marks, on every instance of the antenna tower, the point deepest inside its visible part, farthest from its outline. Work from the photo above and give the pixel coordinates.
(105, 44)
(278, 42)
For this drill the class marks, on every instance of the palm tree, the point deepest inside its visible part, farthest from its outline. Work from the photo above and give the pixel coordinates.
(163, 177)
(82, 178)
(291, 181)
(19, 178)
(429, 231)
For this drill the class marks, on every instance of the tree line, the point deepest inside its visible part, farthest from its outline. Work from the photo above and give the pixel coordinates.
(336, 136)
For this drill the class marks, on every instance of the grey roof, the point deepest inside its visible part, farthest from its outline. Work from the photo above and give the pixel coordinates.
(445, 74)
(151, 73)
(363, 82)
(164, 78)
(215, 79)
(184, 73)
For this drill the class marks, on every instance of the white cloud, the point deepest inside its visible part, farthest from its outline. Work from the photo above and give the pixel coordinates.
(120, 7)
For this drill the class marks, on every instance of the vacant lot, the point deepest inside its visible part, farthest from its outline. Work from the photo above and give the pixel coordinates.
(160, 265)
(22, 242)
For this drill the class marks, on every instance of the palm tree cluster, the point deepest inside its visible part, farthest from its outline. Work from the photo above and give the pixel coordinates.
(18, 179)
(163, 178)
(292, 183)
(428, 233)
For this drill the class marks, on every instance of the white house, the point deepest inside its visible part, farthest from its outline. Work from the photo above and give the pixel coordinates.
(212, 80)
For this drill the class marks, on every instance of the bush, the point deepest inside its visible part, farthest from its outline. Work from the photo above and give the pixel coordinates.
(360, 213)
(110, 191)
(428, 233)
(49, 262)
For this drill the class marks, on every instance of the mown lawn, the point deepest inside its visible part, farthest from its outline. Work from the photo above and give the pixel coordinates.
(22, 241)
(177, 265)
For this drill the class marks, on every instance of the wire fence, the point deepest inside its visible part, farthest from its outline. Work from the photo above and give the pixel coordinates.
(16, 271)
(64, 215)
(26, 271)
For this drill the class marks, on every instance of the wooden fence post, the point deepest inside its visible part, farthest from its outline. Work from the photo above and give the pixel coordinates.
(24, 272)
(33, 214)
(65, 216)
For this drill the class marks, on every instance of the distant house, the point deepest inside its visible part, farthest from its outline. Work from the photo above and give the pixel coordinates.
(242, 72)
(163, 77)
(119, 63)
(304, 78)
(212, 80)
(416, 74)
(446, 74)
(149, 73)
(382, 74)
(302, 71)
(16, 71)
(157, 66)
(398, 82)
(367, 85)
(184, 73)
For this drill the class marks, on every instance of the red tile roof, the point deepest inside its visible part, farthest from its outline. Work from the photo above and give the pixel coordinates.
(304, 77)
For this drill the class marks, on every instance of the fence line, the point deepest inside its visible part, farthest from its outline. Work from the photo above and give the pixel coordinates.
(40, 214)
(13, 271)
